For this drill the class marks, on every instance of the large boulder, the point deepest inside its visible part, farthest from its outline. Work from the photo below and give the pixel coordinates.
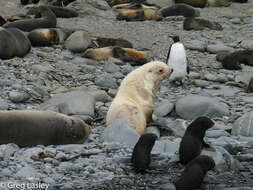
(244, 125)
(193, 106)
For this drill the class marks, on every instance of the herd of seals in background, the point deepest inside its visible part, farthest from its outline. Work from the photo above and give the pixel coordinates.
(134, 101)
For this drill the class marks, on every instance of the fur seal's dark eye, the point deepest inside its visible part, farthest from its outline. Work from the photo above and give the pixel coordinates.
(149, 71)
(160, 70)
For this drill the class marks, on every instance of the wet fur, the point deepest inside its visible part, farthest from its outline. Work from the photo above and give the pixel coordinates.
(193, 139)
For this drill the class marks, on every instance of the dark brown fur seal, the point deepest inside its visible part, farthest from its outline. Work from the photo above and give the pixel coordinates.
(179, 10)
(192, 141)
(200, 24)
(233, 61)
(48, 37)
(104, 42)
(194, 173)
(31, 128)
(60, 12)
(194, 3)
(48, 20)
(142, 150)
(13, 43)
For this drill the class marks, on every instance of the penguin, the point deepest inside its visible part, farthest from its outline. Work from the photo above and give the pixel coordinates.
(177, 59)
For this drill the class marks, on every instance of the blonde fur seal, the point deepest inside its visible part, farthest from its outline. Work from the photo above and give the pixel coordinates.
(124, 54)
(134, 101)
(140, 15)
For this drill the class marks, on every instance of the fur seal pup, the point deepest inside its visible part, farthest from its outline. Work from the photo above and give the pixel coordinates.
(177, 59)
(134, 101)
(139, 15)
(194, 3)
(142, 150)
(104, 42)
(219, 3)
(60, 12)
(124, 54)
(200, 24)
(13, 43)
(31, 128)
(2, 21)
(179, 10)
(48, 20)
(233, 61)
(194, 173)
(192, 141)
(48, 37)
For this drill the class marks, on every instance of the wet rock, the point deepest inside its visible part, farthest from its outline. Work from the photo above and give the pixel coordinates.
(201, 83)
(247, 44)
(178, 127)
(245, 157)
(245, 75)
(106, 80)
(154, 130)
(78, 42)
(244, 125)
(223, 160)
(120, 131)
(216, 133)
(18, 97)
(71, 103)
(196, 45)
(217, 47)
(111, 68)
(193, 106)
(3, 105)
(7, 151)
(27, 172)
(163, 108)
(165, 146)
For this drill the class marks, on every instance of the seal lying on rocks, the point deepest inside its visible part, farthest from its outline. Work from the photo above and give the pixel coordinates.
(193, 139)
(219, 3)
(124, 54)
(48, 37)
(194, 173)
(48, 20)
(179, 9)
(139, 15)
(134, 101)
(194, 3)
(31, 128)
(200, 24)
(13, 42)
(233, 61)
(141, 153)
(60, 12)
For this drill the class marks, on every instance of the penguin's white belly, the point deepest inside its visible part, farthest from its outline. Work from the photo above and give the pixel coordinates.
(177, 60)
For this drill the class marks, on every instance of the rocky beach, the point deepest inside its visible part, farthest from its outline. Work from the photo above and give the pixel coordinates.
(58, 78)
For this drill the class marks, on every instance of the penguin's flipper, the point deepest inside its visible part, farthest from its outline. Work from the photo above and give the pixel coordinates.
(168, 55)
(188, 68)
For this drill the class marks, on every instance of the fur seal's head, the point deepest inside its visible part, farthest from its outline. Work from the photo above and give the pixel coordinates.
(147, 140)
(200, 125)
(80, 130)
(206, 162)
(156, 72)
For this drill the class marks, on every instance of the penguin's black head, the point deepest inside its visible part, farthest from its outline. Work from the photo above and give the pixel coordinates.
(175, 38)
